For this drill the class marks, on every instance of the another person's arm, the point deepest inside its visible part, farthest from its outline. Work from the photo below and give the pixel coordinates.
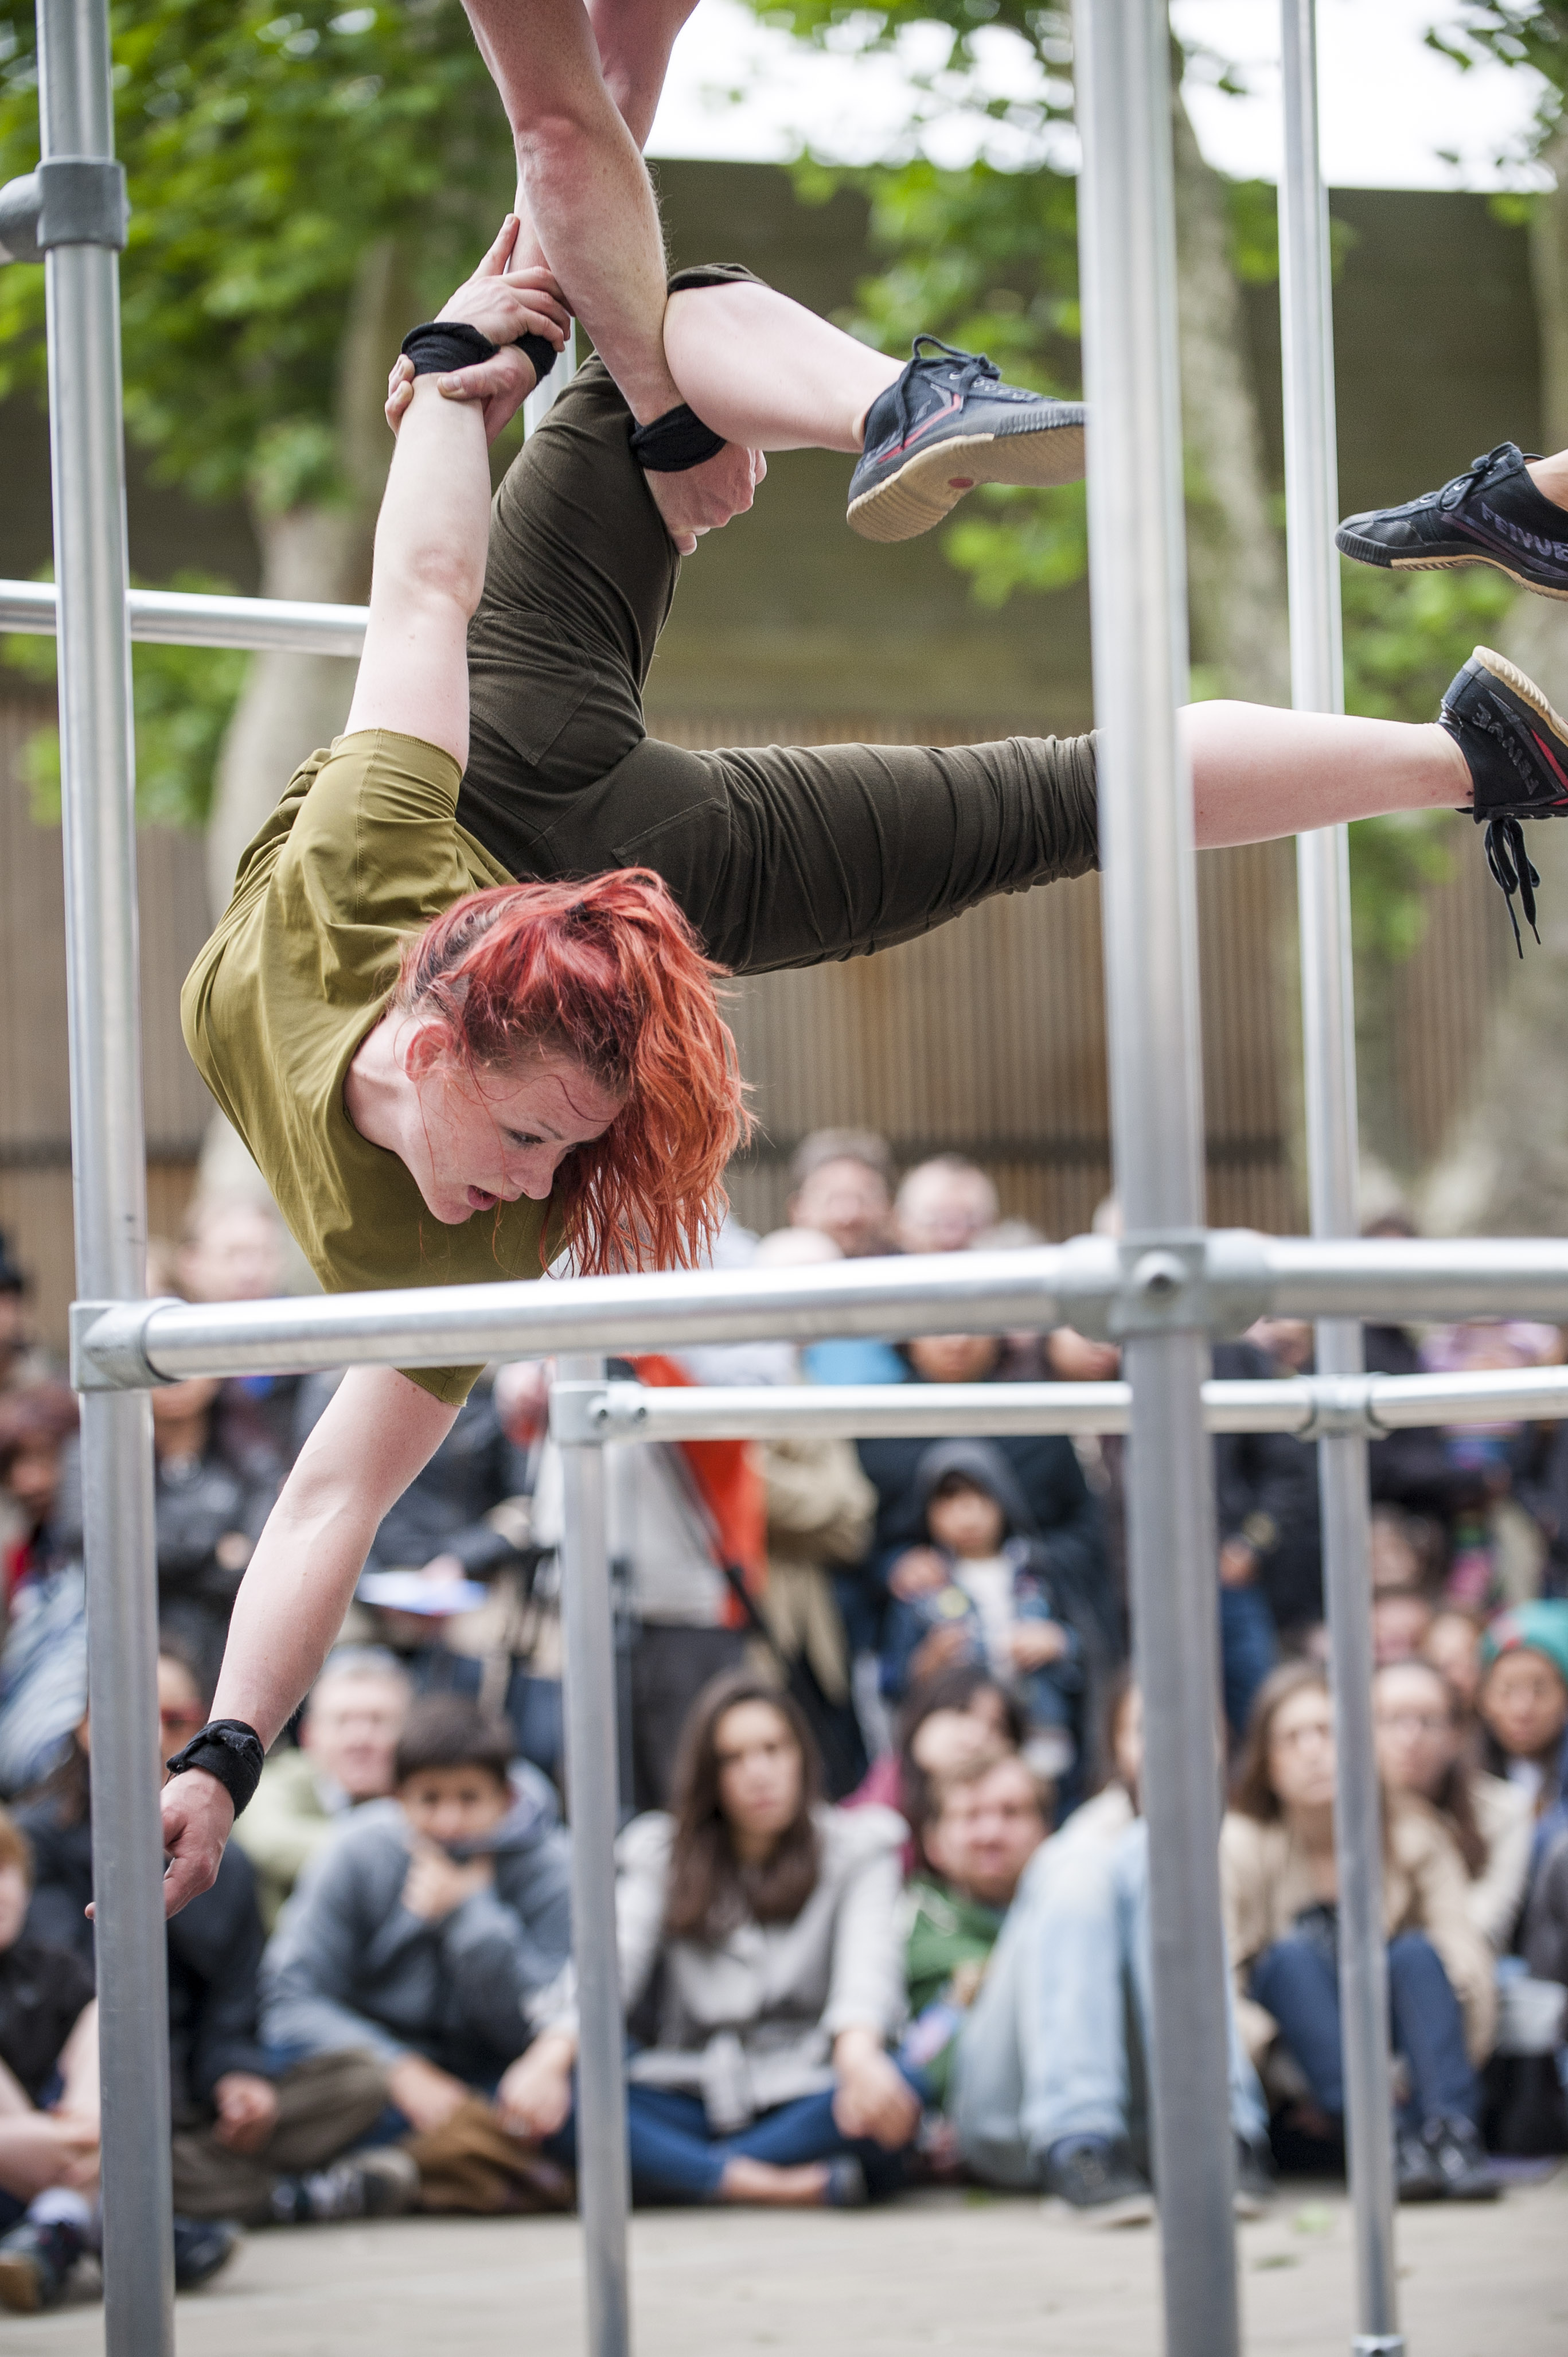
(866, 2004)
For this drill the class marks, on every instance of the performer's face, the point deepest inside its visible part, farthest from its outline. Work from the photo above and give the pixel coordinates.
(492, 1136)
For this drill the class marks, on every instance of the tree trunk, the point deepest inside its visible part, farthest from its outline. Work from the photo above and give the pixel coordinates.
(1506, 1170)
(1235, 584)
(293, 703)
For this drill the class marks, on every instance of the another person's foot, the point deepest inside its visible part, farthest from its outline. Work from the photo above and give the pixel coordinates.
(947, 424)
(381, 2183)
(1493, 515)
(36, 2261)
(1096, 2176)
(846, 2187)
(1416, 2176)
(1516, 749)
(1255, 2179)
(1459, 2161)
(201, 2246)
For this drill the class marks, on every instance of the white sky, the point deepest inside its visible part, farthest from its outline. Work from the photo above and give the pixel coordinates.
(1389, 107)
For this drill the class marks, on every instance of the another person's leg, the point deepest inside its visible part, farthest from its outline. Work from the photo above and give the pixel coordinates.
(324, 2105)
(1429, 2031)
(1297, 1980)
(1545, 1939)
(1248, 1647)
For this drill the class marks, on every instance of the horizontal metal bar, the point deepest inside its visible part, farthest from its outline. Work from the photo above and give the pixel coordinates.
(1091, 1282)
(1307, 1406)
(139, 1343)
(177, 618)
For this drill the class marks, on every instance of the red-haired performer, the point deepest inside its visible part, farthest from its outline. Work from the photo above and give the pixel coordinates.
(461, 1006)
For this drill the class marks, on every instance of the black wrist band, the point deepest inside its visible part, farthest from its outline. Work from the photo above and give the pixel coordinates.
(670, 444)
(229, 1750)
(441, 345)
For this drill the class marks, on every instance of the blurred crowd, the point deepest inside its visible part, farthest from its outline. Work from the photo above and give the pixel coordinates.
(884, 1873)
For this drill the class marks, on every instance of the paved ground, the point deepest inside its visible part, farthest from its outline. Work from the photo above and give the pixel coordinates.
(935, 2271)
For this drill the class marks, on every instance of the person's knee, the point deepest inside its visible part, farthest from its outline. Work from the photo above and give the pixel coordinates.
(1412, 1952)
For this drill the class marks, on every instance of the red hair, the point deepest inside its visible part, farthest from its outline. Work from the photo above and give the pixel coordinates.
(610, 974)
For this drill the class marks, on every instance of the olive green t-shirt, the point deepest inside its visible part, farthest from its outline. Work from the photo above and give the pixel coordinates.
(363, 851)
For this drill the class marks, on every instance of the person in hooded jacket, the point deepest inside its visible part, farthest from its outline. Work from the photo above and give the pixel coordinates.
(981, 1588)
(426, 1933)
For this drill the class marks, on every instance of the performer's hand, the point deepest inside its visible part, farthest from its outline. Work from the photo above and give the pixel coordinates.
(503, 304)
(703, 499)
(198, 1817)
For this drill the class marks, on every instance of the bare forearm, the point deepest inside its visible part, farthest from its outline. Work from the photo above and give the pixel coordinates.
(289, 1610)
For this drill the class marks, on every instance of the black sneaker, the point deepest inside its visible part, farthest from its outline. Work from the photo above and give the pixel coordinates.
(381, 2183)
(1255, 2179)
(1416, 2175)
(1095, 2175)
(1492, 515)
(36, 2261)
(1459, 2161)
(1516, 749)
(948, 423)
(202, 2245)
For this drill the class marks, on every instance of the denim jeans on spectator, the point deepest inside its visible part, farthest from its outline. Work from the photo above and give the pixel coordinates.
(1248, 1647)
(1296, 1980)
(675, 2157)
(1046, 2052)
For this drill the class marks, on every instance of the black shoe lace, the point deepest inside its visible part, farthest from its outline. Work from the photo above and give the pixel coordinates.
(972, 368)
(1511, 864)
(1455, 493)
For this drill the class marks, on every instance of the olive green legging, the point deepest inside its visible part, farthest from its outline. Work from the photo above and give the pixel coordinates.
(780, 855)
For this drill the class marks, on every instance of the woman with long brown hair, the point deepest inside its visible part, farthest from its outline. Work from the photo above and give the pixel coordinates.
(775, 1922)
(1280, 1887)
(1422, 1731)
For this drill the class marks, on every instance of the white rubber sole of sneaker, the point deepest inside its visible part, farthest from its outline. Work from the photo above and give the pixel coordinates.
(1525, 688)
(1111, 2217)
(1451, 564)
(932, 483)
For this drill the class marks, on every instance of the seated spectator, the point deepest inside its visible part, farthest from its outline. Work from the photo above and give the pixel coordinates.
(1453, 1645)
(1271, 1540)
(958, 1715)
(22, 1363)
(1524, 1708)
(1280, 1880)
(1400, 1620)
(422, 1937)
(347, 1735)
(841, 1182)
(977, 1587)
(1041, 2044)
(1067, 1516)
(48, 2098)
(232, 1248)
(1420, 1724)
(769, 1926)
(1406, 1552)
(943, 1205)
(1483, 1455)
(256, 2133)
(215, 1477)
(43, 1671)
(841, 1187)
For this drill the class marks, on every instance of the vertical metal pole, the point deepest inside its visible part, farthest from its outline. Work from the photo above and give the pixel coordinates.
(109, 1162)
(592, 1764)
(1323, 871)
(1127, 245)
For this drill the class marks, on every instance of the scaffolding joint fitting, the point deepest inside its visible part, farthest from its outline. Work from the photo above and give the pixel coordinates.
(67, 200)
(108, 1349)
(587, 1416)
(1342, 1408)
(1186, 1280)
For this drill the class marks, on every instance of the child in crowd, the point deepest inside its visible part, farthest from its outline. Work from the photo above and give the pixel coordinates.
(423, 1937)
(348, 1737)
(762, 1926)
(977, 1589)
(49, 2097)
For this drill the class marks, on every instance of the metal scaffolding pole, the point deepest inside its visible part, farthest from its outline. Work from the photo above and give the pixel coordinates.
(592, 1797)
(1323, 871)
(108, 1152)
(1127, 245)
